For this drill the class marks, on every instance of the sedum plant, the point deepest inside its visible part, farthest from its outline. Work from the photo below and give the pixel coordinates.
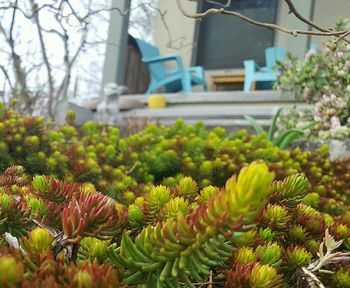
(251, 233)
(84, 207)
(124, 168)
(183, 248)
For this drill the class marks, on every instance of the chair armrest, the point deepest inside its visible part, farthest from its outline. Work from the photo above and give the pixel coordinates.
(197, 71)
(250, 67)
(172, 71)
(171, 57)
(252, 64)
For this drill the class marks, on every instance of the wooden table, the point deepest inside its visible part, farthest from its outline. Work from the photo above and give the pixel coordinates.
(228, 82)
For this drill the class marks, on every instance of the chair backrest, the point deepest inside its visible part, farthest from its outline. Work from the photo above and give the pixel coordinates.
(157, 70)
(314, 47)
(274, 54)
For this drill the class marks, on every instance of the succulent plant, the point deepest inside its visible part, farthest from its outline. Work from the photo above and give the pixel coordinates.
(83, 207)
(92, 216)
(38, 241)
(189, 243)
(11, 271)
(91, 248)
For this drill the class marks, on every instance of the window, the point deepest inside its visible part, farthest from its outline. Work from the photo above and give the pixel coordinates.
(226, 41)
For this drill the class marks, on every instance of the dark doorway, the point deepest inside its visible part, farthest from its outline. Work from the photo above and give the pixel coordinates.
(226, 41)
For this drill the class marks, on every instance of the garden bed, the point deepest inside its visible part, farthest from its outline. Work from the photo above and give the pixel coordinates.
(338, 149)
(87, 208)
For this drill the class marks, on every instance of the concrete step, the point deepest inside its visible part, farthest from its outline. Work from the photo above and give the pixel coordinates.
(242, 123)
(223, 97)
(259, 111)
(214, 112)
(224, 109)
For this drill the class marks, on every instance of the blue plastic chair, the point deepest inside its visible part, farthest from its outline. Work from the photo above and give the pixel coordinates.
(314, 47)
(173, 80)
(255, 73)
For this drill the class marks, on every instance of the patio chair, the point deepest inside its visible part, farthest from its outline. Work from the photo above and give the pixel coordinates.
(255, 73)
(173, 80)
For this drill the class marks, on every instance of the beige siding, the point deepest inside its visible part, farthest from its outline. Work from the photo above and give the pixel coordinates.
(179, 38)
(327, 12)
(182, 29)
(297, 45)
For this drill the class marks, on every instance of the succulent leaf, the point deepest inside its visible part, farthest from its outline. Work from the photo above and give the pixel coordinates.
(91, 216)
(198, 240)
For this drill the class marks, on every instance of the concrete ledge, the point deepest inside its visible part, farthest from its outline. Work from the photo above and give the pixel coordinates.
(225, 123)
(202, 112)
(221, 97)
(82, 115)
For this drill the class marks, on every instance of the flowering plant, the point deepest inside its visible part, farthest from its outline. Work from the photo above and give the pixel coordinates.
(321, 79)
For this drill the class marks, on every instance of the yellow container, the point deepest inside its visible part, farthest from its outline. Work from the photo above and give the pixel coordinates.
(156, 102)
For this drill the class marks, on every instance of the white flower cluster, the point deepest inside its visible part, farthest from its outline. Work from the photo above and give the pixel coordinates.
(328, 112)
(329, 106)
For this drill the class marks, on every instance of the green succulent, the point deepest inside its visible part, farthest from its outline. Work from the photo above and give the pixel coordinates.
(206, 193)
(341, 279)
(297, 234)
(91, 248)
(277, 217)
(187, 188)
(264, 276)
(311, 199)
(270, 254)
(37, 241)
(11, 271)
(245, 255)
(174, 206)
(266, 234)
(297, 257)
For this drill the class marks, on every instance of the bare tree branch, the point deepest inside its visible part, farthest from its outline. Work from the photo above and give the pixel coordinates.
(227, 4)
(321, 31)
(20, 74)
(44, 54)
(4, 71)
(72, 24)
(293, 10)
(13, 22)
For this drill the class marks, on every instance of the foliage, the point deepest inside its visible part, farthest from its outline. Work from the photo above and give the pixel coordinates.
(126, 168)
(174, 248)
(282, 139)
(93, 211)
(321, 79)
(183, 246)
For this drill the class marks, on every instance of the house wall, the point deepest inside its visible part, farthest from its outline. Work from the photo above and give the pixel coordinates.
(297, 45)
(175, 33)
(327, 13)
(179, 38)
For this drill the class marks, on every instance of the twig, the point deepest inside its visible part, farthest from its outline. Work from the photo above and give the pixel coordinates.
(294, 32)
(211, 279)
(338, 39)
(2, 68)
(13, 22)
(293, 10)
(313, 277)
(137, 163)
(324, 259)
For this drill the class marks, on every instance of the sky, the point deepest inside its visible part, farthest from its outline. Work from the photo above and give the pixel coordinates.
(88, 72)
(142, 19)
